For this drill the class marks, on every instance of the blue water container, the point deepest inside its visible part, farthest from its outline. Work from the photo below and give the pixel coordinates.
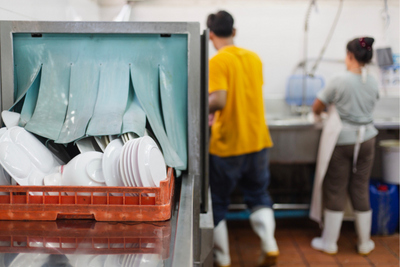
(384, 200)
(294, 89)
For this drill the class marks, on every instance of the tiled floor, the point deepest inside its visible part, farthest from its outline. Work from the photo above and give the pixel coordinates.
(294, 237)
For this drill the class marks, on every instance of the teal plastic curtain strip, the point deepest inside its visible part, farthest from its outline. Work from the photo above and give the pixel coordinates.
(134, 119)
(29, 105)
(172, 107)
(81, 101)
(30, 101)
(111, 100)
(145, 81)
(66, 108)
(51, 107)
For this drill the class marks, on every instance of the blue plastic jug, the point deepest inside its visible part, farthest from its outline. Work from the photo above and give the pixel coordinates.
(384, 199)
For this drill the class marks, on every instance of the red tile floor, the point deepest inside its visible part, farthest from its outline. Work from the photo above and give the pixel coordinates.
(294, 237)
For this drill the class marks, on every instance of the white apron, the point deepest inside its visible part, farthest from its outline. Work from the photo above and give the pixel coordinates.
(330, 134)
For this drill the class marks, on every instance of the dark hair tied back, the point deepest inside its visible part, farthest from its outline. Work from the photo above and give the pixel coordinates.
(221, 24)
(361, 48)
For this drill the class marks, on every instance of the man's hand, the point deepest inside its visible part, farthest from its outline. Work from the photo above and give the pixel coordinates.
(211, 119)
(216, 101)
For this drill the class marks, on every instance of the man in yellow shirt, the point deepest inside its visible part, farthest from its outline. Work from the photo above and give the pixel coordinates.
(239, 139)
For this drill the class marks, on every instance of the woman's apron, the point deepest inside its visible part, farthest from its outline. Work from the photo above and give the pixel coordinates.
(330, 134)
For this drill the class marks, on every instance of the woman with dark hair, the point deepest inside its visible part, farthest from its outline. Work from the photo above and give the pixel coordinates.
(354, 95)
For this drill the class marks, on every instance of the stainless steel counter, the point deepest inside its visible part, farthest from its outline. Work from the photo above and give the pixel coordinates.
(89, 243)
(86, 243)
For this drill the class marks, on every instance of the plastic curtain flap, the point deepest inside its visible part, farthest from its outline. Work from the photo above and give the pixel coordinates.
(74, 85)
(28, 97)
(146, 83)
(82, 99)
(134, 119)
(51, 107)
(111, 99)
(173, 104)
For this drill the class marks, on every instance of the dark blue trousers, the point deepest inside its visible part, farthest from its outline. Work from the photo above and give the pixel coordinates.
(249, 171)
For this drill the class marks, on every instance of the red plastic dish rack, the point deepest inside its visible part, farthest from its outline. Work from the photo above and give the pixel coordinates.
(97, 203)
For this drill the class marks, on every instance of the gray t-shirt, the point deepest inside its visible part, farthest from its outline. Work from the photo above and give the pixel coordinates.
(355, 102)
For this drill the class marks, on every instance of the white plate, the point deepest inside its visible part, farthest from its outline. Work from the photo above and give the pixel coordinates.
(151, 162)
(122, 166)
(39, 154)
(110, 163)
(130, 163)
(127, 157)
(135, 164)
(13, 159)
(144, 175)
(155, 163)
(127, 163)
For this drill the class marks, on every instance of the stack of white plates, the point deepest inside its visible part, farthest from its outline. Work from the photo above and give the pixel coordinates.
(137, 163)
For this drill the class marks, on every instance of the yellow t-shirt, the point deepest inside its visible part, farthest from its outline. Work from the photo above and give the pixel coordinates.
(240, 127)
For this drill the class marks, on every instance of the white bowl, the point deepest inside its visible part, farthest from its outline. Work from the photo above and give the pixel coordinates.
(84, 170)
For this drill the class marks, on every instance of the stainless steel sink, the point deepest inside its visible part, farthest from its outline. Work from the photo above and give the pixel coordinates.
(296, 138)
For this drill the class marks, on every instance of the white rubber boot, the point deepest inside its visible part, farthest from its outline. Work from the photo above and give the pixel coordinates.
(221, 245)
(263, 223)
(330, 233)
(363, 228)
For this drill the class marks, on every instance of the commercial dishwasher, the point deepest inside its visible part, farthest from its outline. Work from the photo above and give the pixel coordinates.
(190, 229)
